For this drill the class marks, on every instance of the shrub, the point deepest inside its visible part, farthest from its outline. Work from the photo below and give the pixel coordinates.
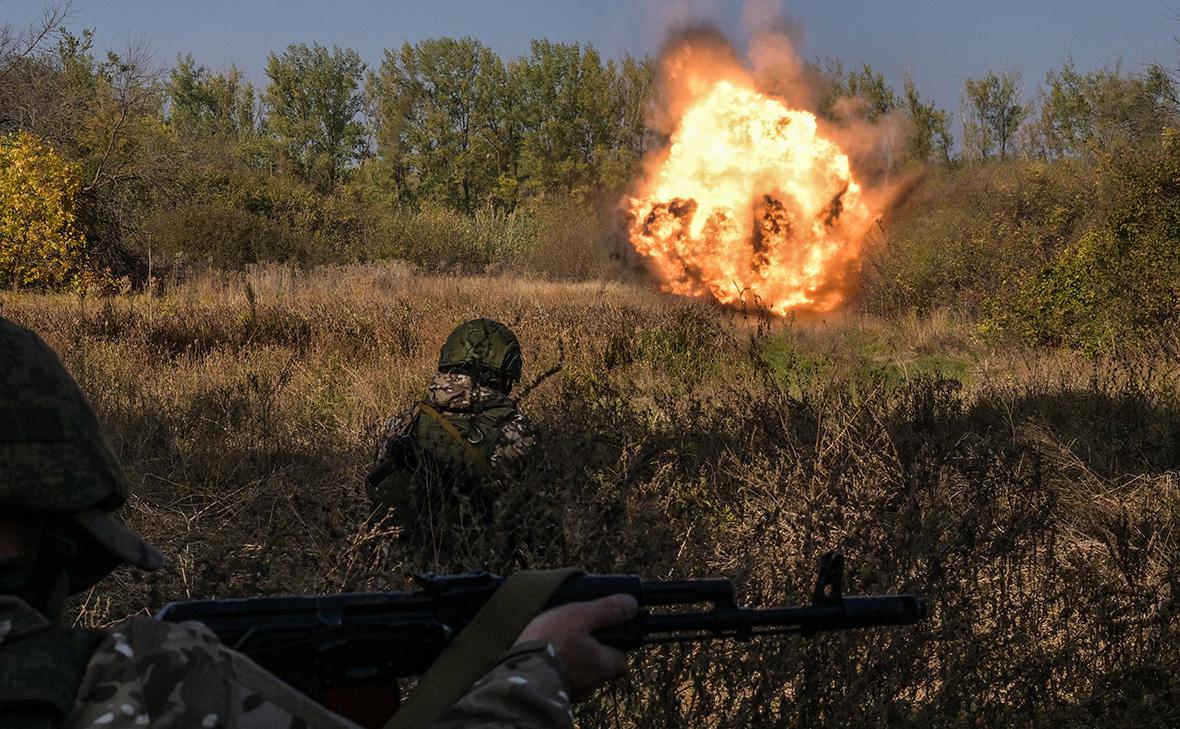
(238, 218)
(39, 243)
(963, 235)
(1120, 281)
(439, 239)
(556, 237)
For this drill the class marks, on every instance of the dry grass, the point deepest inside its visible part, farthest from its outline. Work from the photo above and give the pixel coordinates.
(1030, 496)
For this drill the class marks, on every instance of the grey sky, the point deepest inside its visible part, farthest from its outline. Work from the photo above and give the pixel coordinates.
(943, 42)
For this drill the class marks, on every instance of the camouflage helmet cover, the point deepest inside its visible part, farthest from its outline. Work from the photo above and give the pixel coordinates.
(482, 342)
(54, 458)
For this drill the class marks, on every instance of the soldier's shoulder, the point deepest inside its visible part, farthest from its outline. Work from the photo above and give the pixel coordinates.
(142, 642)
(146, 668)
(164, 675)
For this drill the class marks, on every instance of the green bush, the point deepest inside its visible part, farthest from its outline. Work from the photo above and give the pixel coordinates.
(556, 237)
(1120, 281)
(239, 218)
(963, 235)
(440, 239)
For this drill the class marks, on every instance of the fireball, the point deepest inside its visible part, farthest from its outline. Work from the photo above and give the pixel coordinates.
(751, 203)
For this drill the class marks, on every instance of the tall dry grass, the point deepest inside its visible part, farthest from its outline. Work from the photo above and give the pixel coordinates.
(1029, 495)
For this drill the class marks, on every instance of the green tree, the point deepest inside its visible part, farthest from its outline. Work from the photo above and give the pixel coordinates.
(447, 131)
(1082, 113)
(313, 101)
(861, 93)
(930, 140)
(204, 104)
(633, 85)
(571, 117)
(994, 112)
(1119, 280)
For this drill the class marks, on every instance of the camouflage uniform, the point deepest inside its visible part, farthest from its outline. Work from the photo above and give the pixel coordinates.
(57, 472)
(473, 443)
(162, 675)
(457, 398)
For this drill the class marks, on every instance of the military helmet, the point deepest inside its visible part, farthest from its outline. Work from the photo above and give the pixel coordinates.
(482, 345)
(55, 461)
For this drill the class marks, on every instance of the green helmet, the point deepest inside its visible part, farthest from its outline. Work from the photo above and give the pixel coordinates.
(54, 459)
(482, 346)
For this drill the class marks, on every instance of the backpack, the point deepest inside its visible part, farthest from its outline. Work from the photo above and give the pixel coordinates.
(442, 466)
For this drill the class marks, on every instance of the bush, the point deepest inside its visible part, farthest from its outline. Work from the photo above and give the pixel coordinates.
(963, 235)
(556, 237)
(1120, 281)
(440, 239)
(240, 218)
(39, 243)
(571, 242)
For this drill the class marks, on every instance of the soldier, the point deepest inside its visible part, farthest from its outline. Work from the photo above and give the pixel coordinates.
(59, 481)
(442, 462)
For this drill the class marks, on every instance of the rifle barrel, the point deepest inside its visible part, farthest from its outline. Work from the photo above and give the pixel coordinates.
(866, 611)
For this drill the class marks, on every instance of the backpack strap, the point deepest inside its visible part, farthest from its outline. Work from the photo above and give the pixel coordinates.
(473, 456)
(40, 675)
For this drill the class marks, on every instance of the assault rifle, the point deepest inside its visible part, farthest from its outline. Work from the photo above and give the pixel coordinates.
(326, 643)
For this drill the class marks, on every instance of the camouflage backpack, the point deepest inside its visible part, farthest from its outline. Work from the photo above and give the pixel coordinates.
(442, 462)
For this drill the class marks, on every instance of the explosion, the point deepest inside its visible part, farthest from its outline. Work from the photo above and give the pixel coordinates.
(750, 201)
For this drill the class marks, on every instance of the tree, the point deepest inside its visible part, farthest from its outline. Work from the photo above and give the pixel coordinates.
(313, 100)
(104, 114)
(931, 139)
(447, 128)
(570, 117)
(861, 93)
(205, 104)
(51, 89)
(633, 86)
(39, 242)
(16, 46)
(993, 115)
(1084, 112)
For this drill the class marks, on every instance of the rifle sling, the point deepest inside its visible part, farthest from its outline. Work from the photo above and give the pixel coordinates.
(492, 632)
(475, 459)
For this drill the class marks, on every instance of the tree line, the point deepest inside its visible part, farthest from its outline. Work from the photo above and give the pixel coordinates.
(332, 154)
(444, 121)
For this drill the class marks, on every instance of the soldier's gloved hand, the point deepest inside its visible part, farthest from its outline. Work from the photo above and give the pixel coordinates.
(587, 663)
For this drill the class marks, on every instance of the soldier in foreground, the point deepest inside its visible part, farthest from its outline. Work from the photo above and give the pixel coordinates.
(442, 463)
(59, 481)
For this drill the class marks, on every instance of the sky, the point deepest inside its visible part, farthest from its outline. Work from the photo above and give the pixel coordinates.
(943, 42)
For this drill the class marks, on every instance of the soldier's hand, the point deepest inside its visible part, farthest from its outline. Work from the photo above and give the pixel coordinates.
(587, 663)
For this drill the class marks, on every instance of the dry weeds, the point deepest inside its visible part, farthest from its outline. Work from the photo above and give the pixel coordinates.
(1031, 496)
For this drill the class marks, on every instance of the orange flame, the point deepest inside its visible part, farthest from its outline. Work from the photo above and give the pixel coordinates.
(750, 197)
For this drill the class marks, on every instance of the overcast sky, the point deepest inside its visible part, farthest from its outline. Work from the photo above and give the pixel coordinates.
(943, 41)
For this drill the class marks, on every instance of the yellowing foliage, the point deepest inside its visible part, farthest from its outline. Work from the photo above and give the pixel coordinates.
(39, 243)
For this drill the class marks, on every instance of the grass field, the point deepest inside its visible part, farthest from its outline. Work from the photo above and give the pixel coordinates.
(1030, 494)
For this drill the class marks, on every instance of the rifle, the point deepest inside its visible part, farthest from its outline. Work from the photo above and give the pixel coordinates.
(322, 644)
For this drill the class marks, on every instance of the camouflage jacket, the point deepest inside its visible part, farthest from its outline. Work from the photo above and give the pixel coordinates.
(148, 673)
(460, 401)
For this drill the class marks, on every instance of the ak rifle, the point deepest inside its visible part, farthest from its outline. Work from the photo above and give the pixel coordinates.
(321, 644)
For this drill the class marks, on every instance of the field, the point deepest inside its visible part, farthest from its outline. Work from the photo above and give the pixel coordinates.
(1030, 495)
